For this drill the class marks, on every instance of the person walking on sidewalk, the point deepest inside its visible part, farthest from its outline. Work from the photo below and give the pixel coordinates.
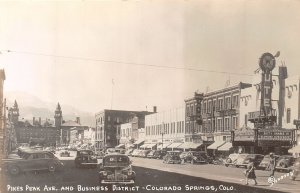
(272, 164)
(250, 172)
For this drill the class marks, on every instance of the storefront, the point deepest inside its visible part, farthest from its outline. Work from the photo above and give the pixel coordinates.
(263, 141)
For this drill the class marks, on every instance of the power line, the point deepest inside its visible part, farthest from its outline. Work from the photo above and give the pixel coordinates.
(128, 63)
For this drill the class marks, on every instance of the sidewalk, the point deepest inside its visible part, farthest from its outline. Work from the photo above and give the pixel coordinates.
(222, 173)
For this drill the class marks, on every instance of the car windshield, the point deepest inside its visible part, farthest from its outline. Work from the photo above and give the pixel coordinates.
(115, 161)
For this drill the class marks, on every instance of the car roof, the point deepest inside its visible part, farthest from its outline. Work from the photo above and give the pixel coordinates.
(115, 154)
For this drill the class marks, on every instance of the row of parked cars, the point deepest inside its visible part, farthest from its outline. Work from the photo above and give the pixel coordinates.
(283, 163)
(175, 157)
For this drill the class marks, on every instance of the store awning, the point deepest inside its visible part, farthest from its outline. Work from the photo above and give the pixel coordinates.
(120, 146)
(216, 145)
(174, 145)
(165, 145)
(151, 145)
(138, 142)
(189, 145)
(295, 149)
(225, 147)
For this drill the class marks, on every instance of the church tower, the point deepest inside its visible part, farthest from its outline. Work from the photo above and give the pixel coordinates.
(58, 116)
(14, 113)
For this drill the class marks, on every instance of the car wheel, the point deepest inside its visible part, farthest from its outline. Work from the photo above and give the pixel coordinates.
(226, 165)
(51, 167)
(14, 170)
(237, 166)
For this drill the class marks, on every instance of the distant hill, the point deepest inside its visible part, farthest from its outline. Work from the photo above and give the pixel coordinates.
(31, 106)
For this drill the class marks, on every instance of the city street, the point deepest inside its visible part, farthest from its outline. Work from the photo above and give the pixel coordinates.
(152, 176)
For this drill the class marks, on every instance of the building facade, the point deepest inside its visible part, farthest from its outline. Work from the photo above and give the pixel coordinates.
(108, 125)
(2, 115)
(165, 129)
(268, 110)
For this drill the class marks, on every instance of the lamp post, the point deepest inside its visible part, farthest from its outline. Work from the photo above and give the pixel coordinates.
(162, 132)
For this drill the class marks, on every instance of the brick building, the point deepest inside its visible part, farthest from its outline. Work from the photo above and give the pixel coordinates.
(108, 125)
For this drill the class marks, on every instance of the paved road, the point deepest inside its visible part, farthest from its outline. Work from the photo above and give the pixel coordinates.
(160, 176)
(222, 173)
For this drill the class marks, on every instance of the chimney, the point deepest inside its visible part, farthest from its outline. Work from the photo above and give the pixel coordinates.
(154, 109)
(40, 120)
(78, 120)
(33, 121)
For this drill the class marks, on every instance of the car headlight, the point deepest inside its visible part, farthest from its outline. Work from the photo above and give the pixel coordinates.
(130, 173)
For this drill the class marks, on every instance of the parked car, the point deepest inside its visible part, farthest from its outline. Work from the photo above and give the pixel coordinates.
(244, 159)
(194, 157)
(266, 161)
(144, 153)
(85, 158)
(116, 169)
(231, 160)
(129, 152)
(284, 163)
(159, 154)
(64, 153)
(150, 154)
(110, 150)
(295, 169)
(135, 153)
(172, 157)
(31, 161)
(121, 151)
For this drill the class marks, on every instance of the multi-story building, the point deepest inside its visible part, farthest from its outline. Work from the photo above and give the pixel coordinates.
(69, 130)
(220, 115)
(165, 129)
(2, 114)
(268, 110)
(108, 125)
(130, 131)
(35, 132)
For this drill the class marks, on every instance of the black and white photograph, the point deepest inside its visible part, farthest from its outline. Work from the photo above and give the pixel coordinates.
(150, 96)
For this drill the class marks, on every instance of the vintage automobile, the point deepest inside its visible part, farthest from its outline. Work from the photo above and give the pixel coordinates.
(32, 160)
(244, 159)
(172, 157)
(85, 158)
(135, 153)
(144, 153)
(295, 169)
(150, 154)
(231, 160)
(129, 152)
(159, 154)
(284, 163)
(64, 153)
(110, 150)
(264, 164)
(116, 169)
(119, 150)
(194, 157)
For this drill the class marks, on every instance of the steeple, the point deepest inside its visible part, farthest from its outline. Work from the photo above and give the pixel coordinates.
(14, 111)
(16, 105)
(58, 116)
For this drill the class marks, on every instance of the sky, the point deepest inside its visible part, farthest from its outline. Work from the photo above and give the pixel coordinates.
(134, 54)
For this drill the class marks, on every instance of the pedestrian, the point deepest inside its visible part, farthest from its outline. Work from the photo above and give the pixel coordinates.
(250, 172)
(272, 164)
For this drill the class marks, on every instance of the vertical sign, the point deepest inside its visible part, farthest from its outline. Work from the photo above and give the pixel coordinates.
(267, 64)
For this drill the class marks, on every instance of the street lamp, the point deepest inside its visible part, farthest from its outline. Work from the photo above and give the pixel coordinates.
(162, 132)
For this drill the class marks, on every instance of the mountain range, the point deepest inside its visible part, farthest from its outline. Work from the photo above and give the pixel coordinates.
(31, 106)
